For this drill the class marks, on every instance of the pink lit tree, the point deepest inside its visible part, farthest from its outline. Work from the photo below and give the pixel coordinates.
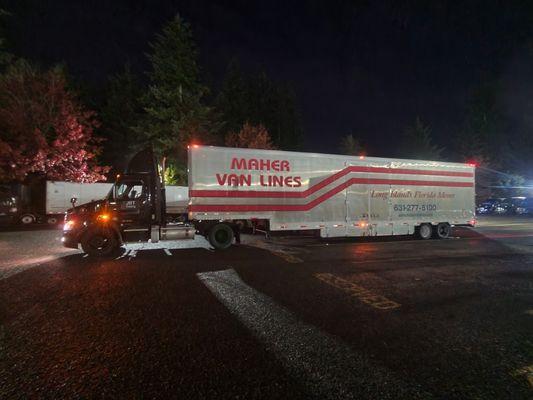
(44, 130)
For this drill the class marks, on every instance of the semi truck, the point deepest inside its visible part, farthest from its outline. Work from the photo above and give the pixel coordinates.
(330, 195)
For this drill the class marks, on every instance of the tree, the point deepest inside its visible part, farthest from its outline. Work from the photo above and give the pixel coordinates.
(175, 175)
(351, 146)
(482, 137)
(259, 101)
(120, 114)
(175, 113)
(251, 137)
(418, 143)
(44, 130)
(5, 56)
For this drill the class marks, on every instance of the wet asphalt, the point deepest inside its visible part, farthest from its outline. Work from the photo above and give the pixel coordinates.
(293, 317)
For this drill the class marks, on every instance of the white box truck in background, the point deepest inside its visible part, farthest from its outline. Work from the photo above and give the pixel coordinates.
(333, 195)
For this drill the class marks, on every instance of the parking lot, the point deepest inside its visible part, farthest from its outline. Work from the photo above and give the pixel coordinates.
(290, 317)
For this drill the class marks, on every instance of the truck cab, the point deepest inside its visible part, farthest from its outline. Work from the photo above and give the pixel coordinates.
(134, 211)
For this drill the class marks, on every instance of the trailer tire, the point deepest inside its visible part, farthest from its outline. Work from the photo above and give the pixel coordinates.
(425, 231)
(221, 236)
(27, 219)
(99, 242)
(443, 230)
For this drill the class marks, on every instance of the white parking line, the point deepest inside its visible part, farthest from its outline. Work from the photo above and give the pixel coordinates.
(328, 367)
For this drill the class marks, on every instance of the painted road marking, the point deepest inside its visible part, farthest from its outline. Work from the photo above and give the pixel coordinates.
(529, 312)
(527, 372)
(287, 256)
(167, 251)
(328, 367)
(359, 292)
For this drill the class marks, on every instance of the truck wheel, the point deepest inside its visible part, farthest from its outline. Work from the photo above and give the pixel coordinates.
(221, 236)
(443, 230)
(425, 231)
(99, 242)
(52, 220)
(27, 219)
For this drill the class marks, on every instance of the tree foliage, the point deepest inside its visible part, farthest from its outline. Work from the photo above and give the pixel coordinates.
(175, 112)
(259, 101)
(5, 56)
(44, 130)
(418, 143)
(175, 174)
(251, 137)
(121, 112)
(482, 137)
(351, 146)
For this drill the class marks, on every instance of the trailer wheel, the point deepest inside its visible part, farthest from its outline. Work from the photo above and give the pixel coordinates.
(99, 242)
(27, 219)
(443, 230)
(425, 231)
(220, 236)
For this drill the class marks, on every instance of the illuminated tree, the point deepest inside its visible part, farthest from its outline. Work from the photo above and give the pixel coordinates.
(251, 137)
(44, 130)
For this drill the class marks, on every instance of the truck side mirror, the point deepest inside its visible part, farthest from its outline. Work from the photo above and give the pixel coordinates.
(73, 201)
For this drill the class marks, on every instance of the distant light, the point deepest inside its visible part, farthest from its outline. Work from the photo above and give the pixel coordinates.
(472, 163)
(193, 145)
(361, 157)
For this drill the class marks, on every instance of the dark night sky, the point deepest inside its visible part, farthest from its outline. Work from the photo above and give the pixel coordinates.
(367, 68)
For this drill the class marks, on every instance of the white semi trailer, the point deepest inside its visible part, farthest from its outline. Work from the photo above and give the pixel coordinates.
(333, 195)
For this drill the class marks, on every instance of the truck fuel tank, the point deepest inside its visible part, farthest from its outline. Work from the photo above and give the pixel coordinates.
(176, 232)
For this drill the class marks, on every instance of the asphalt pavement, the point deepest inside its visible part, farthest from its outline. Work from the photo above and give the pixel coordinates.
(290, 317)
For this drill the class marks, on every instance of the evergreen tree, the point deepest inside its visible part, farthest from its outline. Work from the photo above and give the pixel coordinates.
(175, 112)
(482, 137)
(418, 143)
(121, 112)
(351, 146)
(259, 101)
(5, 56)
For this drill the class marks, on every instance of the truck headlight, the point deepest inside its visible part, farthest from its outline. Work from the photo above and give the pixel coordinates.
(69, 225)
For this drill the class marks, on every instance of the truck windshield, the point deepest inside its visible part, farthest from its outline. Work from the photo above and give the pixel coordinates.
(127, 190)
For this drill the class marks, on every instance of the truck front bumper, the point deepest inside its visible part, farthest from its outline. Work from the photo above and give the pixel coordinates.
(69, 240)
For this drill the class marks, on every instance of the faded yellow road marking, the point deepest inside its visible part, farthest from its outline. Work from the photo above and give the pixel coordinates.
(287, 257)
(527, 372)
(529, 312)
(354, 290)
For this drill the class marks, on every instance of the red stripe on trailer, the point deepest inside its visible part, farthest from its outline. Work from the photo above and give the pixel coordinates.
(323, 183)
(313, 203)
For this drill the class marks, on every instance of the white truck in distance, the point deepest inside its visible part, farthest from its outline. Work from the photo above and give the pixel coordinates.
(333, 195)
